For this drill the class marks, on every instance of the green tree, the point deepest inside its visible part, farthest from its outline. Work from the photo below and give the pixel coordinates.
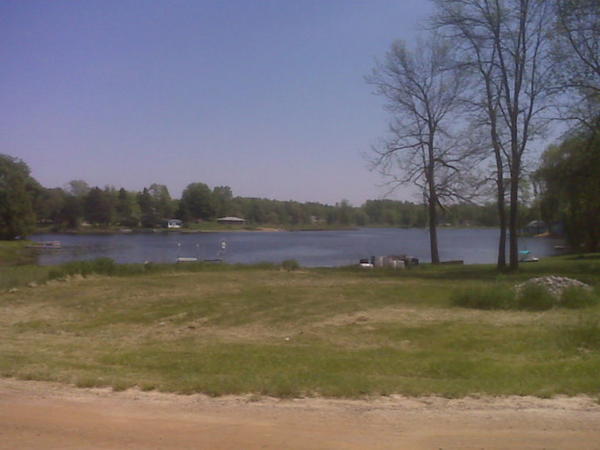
(78, 188)
(98, 207)
(197, 202)
(48, 205)
(161, 201)
(570, 180)
(17, 217)
(222, 197)
(127, 209)
(72, 211)
(149, 214)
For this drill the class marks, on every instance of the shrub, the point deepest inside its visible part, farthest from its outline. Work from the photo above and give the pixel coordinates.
(290, 264)
(578, 297)
(488, 297)
(103, 266)
(535, 297)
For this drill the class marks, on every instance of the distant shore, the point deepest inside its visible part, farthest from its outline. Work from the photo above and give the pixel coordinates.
(209, 228)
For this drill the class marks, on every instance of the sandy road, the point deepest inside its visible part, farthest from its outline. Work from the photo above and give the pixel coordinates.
(36, 415)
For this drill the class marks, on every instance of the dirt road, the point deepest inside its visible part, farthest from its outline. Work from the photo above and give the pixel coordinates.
(36, 415)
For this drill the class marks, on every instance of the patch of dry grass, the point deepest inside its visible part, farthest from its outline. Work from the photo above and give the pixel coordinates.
(283, 333)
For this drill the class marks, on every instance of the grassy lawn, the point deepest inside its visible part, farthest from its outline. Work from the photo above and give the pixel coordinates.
(17, 265)
(15, 253)
(263, 330)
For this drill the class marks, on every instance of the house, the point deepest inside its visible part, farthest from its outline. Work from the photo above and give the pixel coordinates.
(231, 220)
(174, 223)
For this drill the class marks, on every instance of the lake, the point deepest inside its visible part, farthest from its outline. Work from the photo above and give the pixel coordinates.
(309, 248)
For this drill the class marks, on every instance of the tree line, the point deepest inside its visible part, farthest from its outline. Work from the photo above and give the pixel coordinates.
(468, 101)
(25, 204)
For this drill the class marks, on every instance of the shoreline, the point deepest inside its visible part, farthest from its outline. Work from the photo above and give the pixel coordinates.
(265, 229)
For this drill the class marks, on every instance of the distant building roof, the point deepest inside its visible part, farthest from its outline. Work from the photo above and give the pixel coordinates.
(231, 219)
(174, 223)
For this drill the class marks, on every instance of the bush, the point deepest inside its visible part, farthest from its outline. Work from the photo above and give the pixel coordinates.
(488, 297)
(535, 297)
(102, 266)
(290, 264)
(578, 297)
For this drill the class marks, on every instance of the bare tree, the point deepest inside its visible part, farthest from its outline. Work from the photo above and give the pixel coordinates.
(479, 54)
(576, 53)
(423, 89)
(507, 42)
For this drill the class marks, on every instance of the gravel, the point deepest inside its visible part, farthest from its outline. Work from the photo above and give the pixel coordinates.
(554, 284)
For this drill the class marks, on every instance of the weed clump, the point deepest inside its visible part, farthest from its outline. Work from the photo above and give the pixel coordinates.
(529, 296)
(290, 264)
(101, 266)
(535, 297)
(488, 297)
(577, 297)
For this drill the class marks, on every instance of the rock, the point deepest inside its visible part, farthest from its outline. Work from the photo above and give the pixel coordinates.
(12, 290)
(32, 284)
(554, 284)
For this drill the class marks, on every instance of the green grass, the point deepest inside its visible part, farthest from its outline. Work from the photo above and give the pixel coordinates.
(500, 295)
(17, 265)
(584, 334)
(14, 253)
(227, 329)
(577, 297)
(492, 296)
(535, 297)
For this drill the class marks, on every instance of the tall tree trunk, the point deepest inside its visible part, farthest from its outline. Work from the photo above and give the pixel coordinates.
(432, 202)
(501, 191)
(433, 241)
(514, 214)
(501, 213)
(432, 210)
(502, 224)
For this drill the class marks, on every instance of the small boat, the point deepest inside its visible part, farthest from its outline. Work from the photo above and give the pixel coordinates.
(46, 245)
(525, 256)
(182, 259)
(365, 263)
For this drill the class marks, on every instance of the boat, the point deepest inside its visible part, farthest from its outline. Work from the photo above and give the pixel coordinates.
(46, 245)
(365, 263)
(526, 256)
(182, 259)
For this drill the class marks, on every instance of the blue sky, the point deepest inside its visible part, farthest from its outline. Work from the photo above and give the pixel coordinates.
(267, 96)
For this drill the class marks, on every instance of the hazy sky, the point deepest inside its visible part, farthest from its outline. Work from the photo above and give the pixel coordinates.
(266, 96)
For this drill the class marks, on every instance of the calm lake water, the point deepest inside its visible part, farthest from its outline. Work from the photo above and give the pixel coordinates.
(309, 248)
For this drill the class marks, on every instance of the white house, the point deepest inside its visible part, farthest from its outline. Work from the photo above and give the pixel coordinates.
(174, 223)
